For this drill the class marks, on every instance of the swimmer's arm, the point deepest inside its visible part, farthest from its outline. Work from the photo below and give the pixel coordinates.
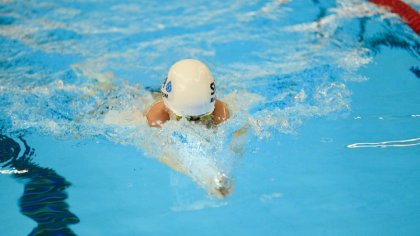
(220, 113)
(157, 115)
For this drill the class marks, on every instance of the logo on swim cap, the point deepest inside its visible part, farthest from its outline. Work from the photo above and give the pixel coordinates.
(169, 87)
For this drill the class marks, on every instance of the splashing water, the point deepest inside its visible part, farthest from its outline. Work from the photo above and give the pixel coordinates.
(78, 70)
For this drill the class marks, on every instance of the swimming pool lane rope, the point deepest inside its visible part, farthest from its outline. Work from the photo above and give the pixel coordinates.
(407, 14)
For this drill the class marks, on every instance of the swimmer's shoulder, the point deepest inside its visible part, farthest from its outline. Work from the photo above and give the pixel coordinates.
(157, 114)
(220, 113)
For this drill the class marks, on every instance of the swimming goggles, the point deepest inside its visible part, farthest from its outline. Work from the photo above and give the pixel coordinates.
(203, 118)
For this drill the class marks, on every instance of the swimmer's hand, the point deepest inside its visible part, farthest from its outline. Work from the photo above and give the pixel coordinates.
(223, 186)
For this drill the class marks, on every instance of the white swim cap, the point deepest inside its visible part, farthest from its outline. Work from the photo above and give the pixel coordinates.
(189, 89)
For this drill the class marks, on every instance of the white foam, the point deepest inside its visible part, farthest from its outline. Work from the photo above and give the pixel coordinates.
(12, 172)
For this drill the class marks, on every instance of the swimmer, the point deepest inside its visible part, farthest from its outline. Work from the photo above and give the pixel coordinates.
(188, 92)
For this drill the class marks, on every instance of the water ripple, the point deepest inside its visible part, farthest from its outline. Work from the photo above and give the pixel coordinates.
(398, 143)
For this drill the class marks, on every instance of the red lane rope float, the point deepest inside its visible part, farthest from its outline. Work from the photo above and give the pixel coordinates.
(408, 14)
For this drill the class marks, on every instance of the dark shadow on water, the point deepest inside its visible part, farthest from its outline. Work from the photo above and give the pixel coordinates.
(44, 194)
(416, 71)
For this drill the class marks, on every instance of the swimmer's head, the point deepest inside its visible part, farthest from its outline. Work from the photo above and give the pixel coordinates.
(189, 89)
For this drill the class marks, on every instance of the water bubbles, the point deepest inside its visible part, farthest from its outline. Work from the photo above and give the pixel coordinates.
(87, 76)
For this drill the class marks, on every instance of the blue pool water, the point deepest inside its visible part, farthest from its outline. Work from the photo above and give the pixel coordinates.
(324, 137)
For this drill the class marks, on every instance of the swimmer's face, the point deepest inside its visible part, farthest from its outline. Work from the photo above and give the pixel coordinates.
(195, 119)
